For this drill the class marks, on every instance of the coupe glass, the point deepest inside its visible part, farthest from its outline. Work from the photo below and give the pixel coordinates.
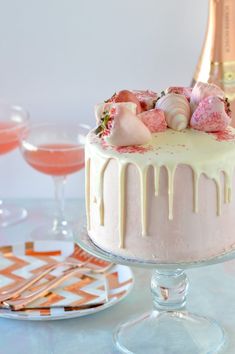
(56, 150)
(13, 121)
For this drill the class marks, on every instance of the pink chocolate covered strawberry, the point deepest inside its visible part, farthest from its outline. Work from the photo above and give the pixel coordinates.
(180, 90)
(211, 115)
(121, 127)
(146, 98)
(126, 96)
(202, 90)
(154, 119)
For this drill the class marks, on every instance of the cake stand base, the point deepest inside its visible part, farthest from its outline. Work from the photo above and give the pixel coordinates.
(169, 328)
(170, 333)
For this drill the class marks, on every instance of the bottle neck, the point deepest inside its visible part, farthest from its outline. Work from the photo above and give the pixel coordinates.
(221, 30)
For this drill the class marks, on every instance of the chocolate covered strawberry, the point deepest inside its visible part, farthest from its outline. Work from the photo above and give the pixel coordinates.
(126, 96)
(154, 119)
(202, 90)
(102, 108)
(146, 98)
(121, 127)
(180, 90)
(211, 115)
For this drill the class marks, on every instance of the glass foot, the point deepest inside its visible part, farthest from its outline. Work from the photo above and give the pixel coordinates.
(51, 232)
(170, 333)
(11, 214)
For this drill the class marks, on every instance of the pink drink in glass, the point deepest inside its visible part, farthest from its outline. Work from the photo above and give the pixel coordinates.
(10, 133)
(13, 122)
(56, 159)
(57, 150)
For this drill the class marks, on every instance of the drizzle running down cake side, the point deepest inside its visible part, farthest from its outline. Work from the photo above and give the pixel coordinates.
(168, 195)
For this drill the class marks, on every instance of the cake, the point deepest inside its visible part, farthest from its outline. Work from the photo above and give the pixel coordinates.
(160, 175)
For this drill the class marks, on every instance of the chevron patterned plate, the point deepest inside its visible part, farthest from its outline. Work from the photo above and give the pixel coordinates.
(20, 262)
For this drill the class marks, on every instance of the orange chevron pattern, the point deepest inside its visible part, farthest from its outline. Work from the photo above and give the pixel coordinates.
(79, 290)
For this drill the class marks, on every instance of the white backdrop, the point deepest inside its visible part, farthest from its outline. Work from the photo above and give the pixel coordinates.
(59, 57)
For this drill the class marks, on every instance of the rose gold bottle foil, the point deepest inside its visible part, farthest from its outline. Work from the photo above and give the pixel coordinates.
(217, 61)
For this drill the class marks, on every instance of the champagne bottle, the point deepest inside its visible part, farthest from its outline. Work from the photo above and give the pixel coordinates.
(217, 61)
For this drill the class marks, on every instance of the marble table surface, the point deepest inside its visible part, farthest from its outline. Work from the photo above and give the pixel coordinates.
(212, 293)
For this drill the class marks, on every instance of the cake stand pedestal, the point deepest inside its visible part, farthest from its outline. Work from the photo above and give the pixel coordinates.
(169, 328)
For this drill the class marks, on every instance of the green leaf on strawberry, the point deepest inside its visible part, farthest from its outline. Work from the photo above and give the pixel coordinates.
(103, 123)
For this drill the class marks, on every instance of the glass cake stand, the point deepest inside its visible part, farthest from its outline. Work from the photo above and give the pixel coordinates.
(169, 328)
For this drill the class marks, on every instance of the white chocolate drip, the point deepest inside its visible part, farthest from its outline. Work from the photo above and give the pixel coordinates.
(171, 175)
(143, 198)
(228, 187)
(122, 209)
(198, 150)
(156, 179)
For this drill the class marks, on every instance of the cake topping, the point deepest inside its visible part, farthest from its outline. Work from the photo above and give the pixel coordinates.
(211, 115)
(177, 110)
(121, 127)
(126, 96)
(202, 90)
(186, 91)
(129, 117)
(154, 119)
(147, 99)
(102, 108)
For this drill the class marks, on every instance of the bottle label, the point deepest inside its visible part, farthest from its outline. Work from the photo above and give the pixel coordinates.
(223, 74)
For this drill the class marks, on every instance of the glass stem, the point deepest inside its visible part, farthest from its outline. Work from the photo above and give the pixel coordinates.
(169, 289)
(59, 182)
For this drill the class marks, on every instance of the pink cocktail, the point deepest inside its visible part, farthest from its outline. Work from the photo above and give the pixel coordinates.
(13, 122)
(10, 134)
(56, 159)
(56, 150)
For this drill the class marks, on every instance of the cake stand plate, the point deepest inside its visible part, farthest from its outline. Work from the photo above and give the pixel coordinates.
(169, 328)
(84, 241)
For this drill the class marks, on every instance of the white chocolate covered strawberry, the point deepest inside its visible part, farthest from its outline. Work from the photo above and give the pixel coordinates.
(211, 115)
(121, 127)
(202, 90)
(101, 108)
(177, 110)
(154, 119)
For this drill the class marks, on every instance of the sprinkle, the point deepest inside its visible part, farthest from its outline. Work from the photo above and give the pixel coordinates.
(225, 135)
(133, 149)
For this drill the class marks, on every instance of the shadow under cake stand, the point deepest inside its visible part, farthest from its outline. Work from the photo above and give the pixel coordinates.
(169, 328)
